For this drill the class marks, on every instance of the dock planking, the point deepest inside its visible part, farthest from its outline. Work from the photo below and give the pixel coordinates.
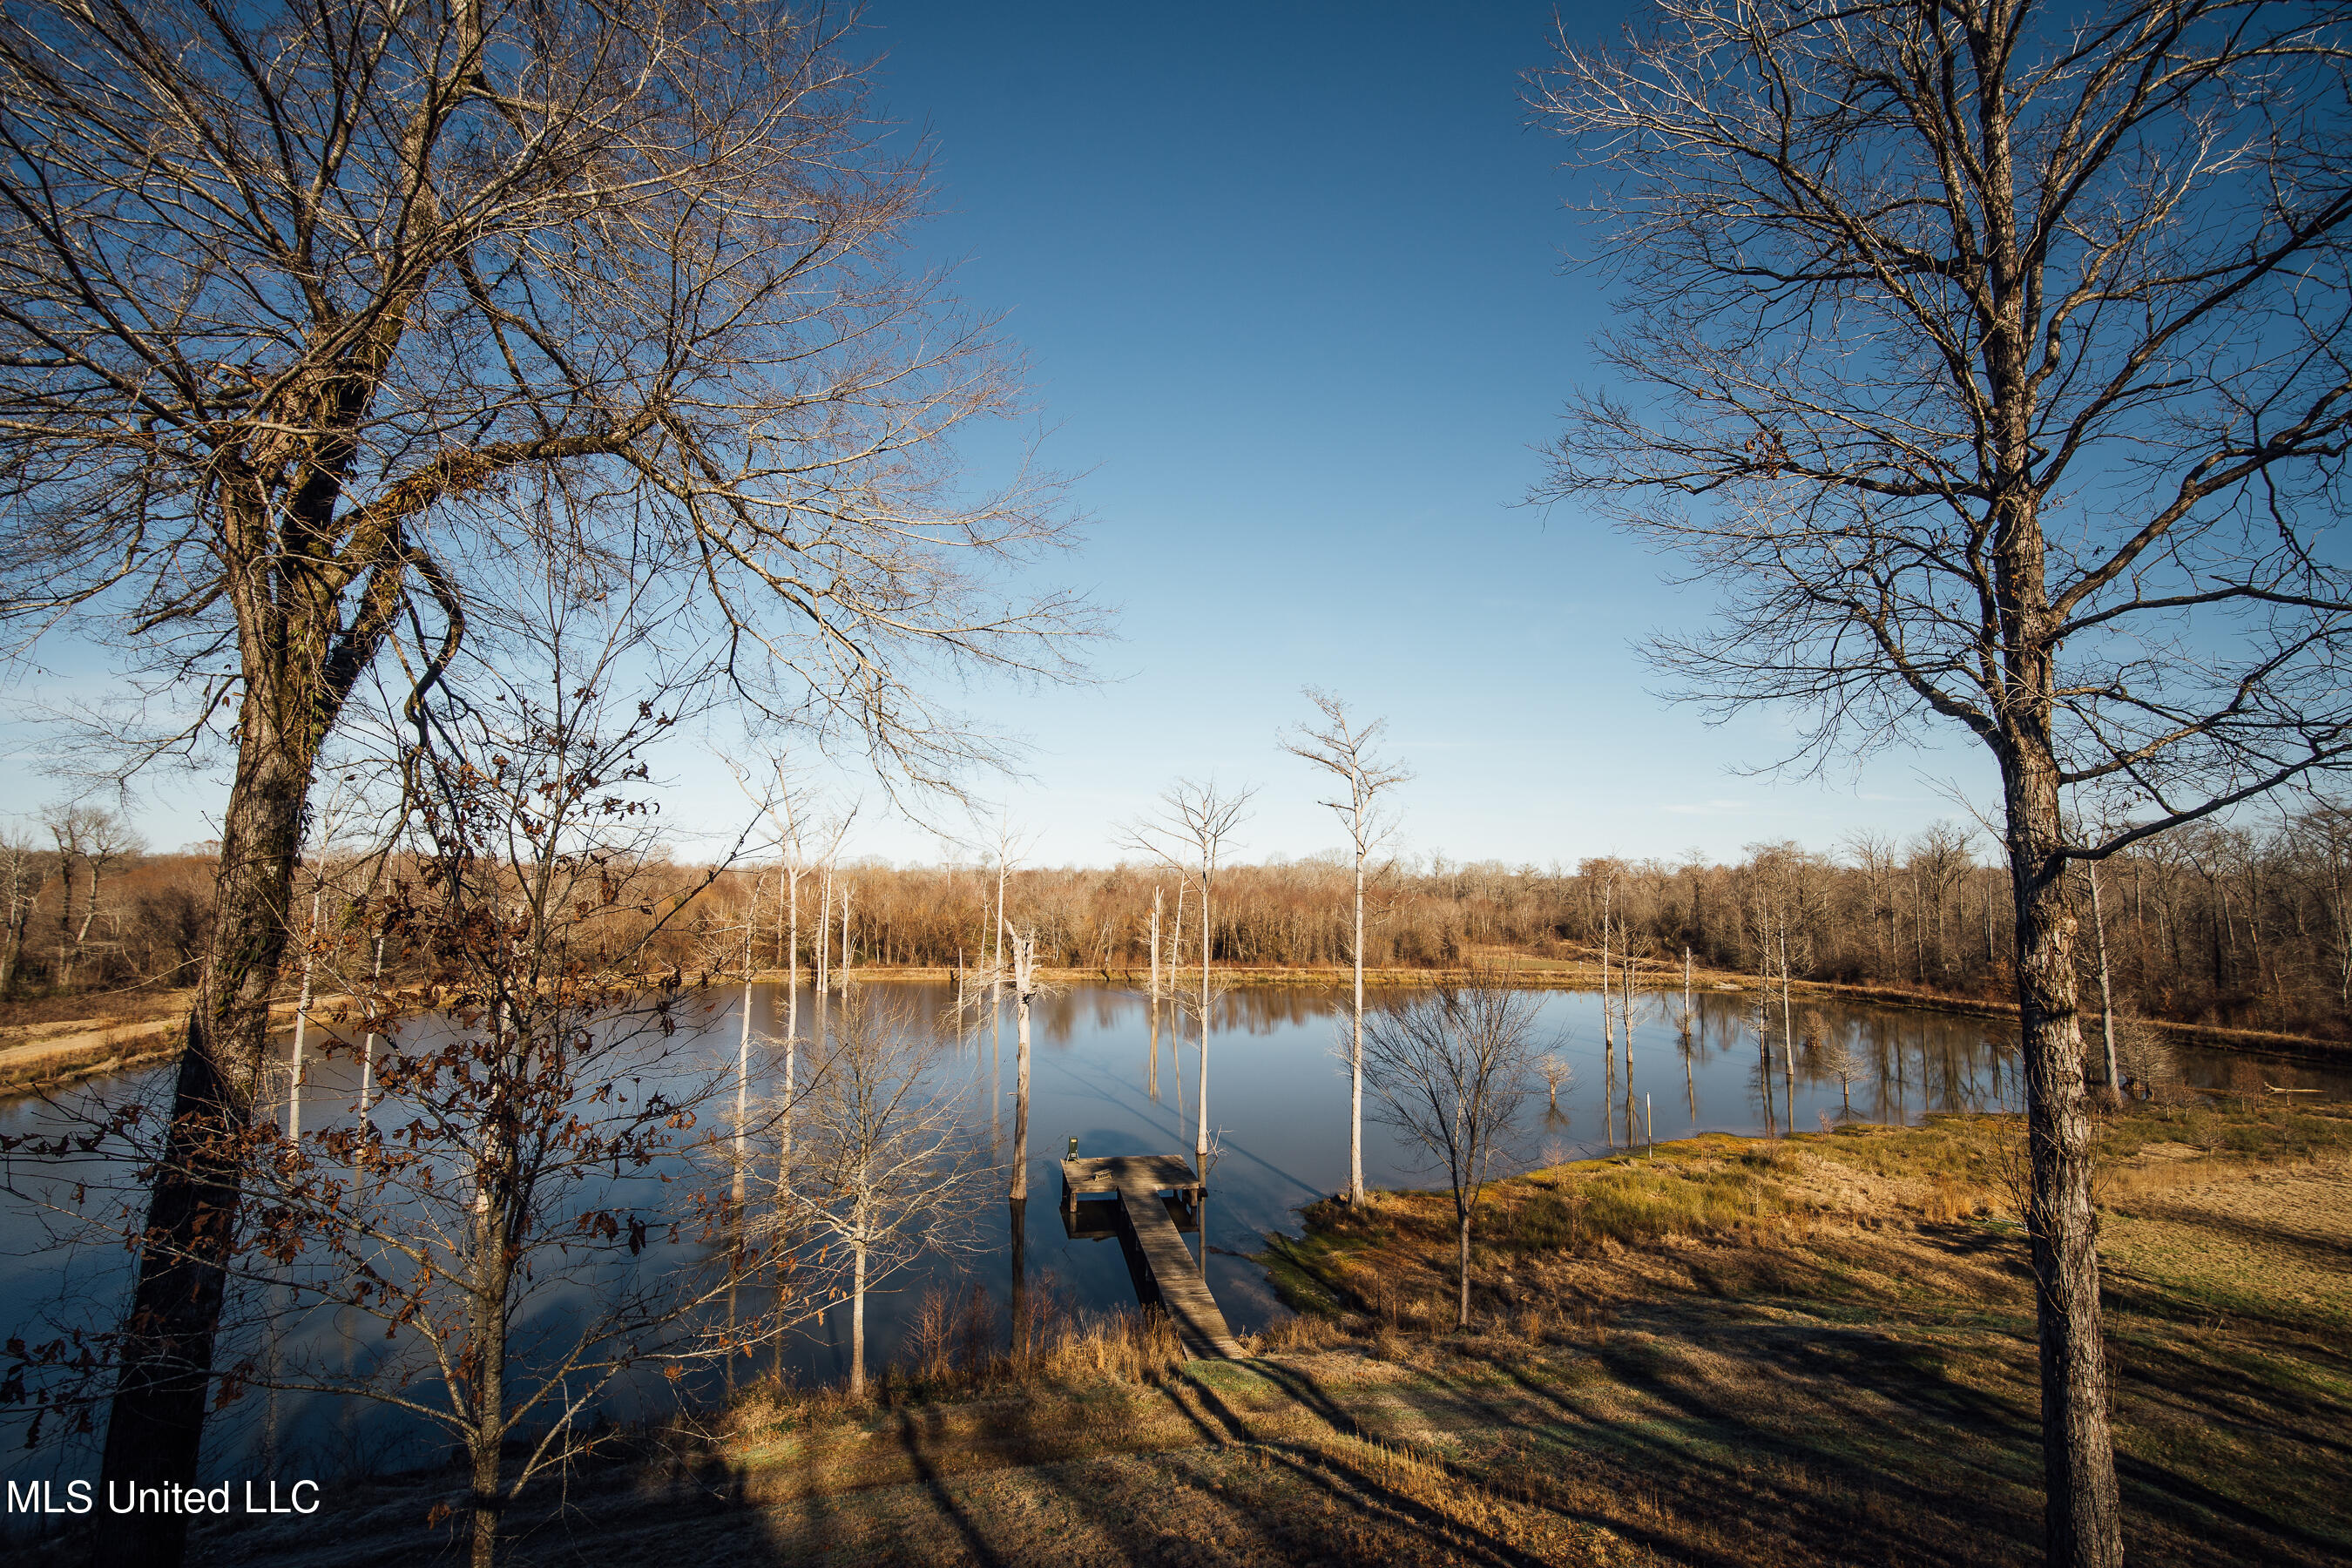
(1147, 1225)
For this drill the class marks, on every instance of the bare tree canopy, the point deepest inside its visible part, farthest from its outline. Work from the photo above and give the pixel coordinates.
(1995, 361)
(523, 1135)
(1452, 1070)
(1347, 749)
(1190, 834)
(1982, 339)
(887, 1169)
(308, 315)
(291, 304)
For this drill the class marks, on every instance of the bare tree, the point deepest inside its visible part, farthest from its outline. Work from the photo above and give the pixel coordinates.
(2106, 987)
(1026, 987)
(1939, 861)
(1157, 895)
(1003, 848)
(1556, 1072)
(1835, 1059)
(1997, 374)
(1345, 751)
(1452, 1070)
(302, 310)
(24, 873)
(536, 1137)
(787, 814)
(886, 1171)
(1873, 855)
(1190, 836)
(96, 840)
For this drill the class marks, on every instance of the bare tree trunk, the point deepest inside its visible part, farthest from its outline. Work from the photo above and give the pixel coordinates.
(1686, 988)
(1461, 1312)
(156, 1423)
(1176, 940)
(1608, 1023)
(12, 957)
(89, 907)
(743, 1071)
(1155, 967)
(824, 939)
(66, 853)
(1626, 971)
(302, 1026)
(367, 1058)
(1025, 959)
(1356, 1055)
(1788, 1014)
(2106, 991)
(792, 997)
(996, 1012)
(858, 1326)
(1200, 1100)
(2082, 1515)
(1021, 1096)
(485, 1502)
(488, 1328)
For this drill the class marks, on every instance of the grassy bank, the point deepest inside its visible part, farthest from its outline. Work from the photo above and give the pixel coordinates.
(1821, 1350)
(1818, 1350)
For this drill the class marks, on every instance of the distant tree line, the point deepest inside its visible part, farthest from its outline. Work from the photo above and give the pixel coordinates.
(83, 907)
(2238, 927)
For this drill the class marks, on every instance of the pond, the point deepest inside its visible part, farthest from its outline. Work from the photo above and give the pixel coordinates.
(1121, 1076)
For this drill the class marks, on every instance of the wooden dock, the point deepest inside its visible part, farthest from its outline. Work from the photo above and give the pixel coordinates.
(1154, 1197)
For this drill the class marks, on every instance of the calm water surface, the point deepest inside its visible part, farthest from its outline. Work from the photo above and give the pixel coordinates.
(1121, 1078)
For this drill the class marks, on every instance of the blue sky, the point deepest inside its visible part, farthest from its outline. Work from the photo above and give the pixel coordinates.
(1289, 281)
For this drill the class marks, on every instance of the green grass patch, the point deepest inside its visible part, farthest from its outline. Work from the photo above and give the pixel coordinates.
(1638, 1205)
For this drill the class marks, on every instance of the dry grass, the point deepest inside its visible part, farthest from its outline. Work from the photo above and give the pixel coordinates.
(959, 1346)
(1808, 1353)
(1820, 1350)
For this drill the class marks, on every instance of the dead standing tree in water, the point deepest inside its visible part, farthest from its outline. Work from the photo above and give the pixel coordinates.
(1025, 989)
(1993, 368)
(1556, 1074)
(1189, 836)
(1004, 848)
(1453, 1071)
(1345, 751)
(296, 302)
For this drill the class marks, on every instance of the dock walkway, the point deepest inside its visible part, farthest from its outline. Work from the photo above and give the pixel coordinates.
(1148, 1225)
